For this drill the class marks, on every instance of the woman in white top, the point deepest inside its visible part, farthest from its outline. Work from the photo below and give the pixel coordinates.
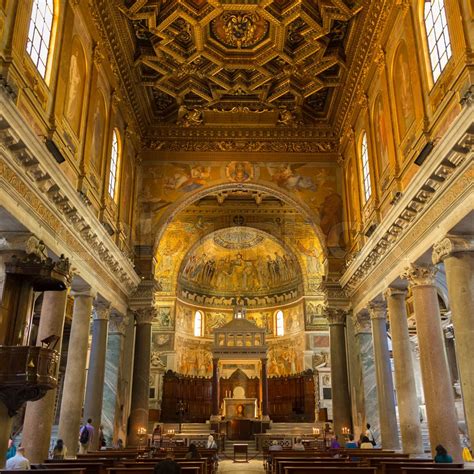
(211, 444)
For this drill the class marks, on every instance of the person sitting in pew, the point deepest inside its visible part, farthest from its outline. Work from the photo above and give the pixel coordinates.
(335, 443)
(275, 446)
(18, 462)
(365, 443)
(60, 450)
(168, 465)
(442, 455)
(193, 452)
(298, 446)
(351, 444)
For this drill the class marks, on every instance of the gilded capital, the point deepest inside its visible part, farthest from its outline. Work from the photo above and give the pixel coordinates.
(377, 310)
(101, 311)
(419, 275)
(450, 245)
(144, 315)
(336, 316)
(362, 324)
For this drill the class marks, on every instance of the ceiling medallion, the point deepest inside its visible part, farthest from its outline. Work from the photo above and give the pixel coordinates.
(239, 29)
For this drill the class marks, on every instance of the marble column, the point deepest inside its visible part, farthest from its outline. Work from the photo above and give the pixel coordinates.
(215, 387)
(341, 404)
(39, 415)
(96, 372)
(264, 390)
(113, 362)
(408, 409)
(75, 377)
(366, 387)
(457, 254)
(141, 375)
(383, 372)
(439, 395)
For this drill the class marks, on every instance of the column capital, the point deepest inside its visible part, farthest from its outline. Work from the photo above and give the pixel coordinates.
(144, 315)
(118, 323)
(336, 316)
(450, 245)
(101, 311)
(391, 292)
(85, 291)
(362, 323)
(420, 275)
(377, 310)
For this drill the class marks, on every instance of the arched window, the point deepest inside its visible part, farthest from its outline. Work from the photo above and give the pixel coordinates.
(439, 44)
(280, 326)
(114, 160)
(198, 324)
(364, 155)
(39, 33)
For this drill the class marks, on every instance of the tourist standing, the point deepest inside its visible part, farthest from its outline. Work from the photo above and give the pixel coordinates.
(86, 436)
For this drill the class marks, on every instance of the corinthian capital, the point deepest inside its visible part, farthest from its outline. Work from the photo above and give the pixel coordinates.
(336, 316)
(101, 311)
(392, 292)
(377, 309)
(118, 324)
(450, 245)
(419, 275)
(144, 315)
(362, 323)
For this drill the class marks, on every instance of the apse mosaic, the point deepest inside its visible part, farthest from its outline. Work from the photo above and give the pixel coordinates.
(239, 262)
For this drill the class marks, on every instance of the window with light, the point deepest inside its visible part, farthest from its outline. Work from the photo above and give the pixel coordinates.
(280, 326)
(114, 159)
(39, 33)
(439, 43)
(364, 154)
(198, 324)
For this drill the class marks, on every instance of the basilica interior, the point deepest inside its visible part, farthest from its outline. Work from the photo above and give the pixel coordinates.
(246, 218)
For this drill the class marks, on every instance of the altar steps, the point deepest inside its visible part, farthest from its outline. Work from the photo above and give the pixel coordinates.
(296, 428)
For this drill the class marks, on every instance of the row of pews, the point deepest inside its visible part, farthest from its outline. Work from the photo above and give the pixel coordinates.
(126, 461)
(357, 461)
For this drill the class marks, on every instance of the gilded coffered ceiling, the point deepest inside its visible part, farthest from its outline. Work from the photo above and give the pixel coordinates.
(195, 69)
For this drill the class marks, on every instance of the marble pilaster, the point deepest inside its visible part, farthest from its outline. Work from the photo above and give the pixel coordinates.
(113, 364)
(96, 372)
(439, 396)
(141, 374)
(408, 409)
(341, 404)
(367, 386)
(457, 254)
(75, 376)
(383, 372)
(39, 415)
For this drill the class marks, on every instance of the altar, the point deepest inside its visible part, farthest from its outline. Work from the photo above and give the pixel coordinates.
(240, 408)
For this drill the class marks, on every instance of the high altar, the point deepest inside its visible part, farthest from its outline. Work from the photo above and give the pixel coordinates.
(240, 341)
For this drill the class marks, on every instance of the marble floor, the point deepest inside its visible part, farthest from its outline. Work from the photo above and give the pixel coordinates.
(254, 466)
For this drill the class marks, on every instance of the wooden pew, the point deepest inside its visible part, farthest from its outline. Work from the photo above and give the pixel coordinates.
(87, 467)
(395, 467)
(283, 464)
(195, 467)
(439, 469)
(329, 470)
(46, 471)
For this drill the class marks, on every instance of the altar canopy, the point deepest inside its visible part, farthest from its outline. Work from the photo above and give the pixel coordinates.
(240, 340)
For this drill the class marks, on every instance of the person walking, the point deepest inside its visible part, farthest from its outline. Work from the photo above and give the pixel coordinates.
(86, 437)
(19, 461)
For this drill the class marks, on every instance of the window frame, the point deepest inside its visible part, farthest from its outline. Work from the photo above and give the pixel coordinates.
(114, 163)
(279, 323)
(198, 315)
(439, 28)
(35, 29)
(365, 167)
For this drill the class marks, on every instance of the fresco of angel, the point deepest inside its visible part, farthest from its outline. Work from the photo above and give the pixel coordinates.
(188, 177)
(285, 176)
